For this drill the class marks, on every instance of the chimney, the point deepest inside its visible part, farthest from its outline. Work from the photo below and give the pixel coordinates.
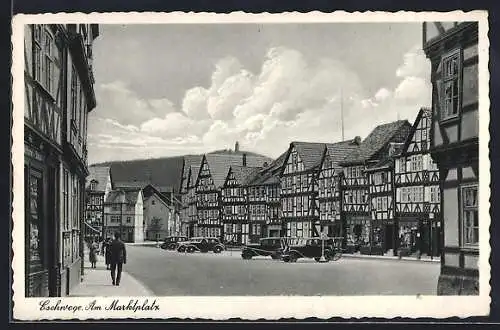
(244, 159)
(236, 146)
(357, 140)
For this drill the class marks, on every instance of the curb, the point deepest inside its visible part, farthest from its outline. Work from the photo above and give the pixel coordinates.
(373, 257)
(146, 290)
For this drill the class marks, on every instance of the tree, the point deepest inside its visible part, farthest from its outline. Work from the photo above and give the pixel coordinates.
(155, 226)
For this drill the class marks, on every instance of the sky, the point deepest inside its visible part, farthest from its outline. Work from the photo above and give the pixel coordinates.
(173, 89)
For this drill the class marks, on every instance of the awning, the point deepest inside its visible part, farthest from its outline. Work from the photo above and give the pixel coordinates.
(92, 228)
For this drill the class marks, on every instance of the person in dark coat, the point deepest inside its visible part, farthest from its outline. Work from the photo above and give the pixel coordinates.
(117, 258)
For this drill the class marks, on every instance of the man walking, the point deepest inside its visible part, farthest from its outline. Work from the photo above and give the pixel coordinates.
(118, 257)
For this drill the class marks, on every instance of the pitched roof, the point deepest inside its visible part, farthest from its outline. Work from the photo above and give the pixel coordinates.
(131, 196)
(337, 151)
(375, 141)
(122, 196)
(99, 174)
(309, 152)
(423, 112)
(269, 174)
(242, 173)
(188, 161)
(219, 164)
(130, 184)
(193, 174)
(150, 190)
(115, 196)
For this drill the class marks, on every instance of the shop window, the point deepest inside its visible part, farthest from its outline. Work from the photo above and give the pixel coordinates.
(451, 85)
(470, 221)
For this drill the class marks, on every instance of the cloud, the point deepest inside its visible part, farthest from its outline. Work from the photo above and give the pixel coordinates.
(195, 102)
(413, 89)
(382, 94)
(118, 102)
(414, 64)
(291, 97)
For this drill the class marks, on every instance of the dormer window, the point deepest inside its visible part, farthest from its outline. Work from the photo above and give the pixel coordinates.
(93, 185)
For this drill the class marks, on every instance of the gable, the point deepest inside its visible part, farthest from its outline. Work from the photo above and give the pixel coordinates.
(419, 137)
(293, 162)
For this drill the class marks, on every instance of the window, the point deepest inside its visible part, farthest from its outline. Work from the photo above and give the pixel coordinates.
(470, 216)
(434, 194)
(129, 219)
(451, 73)
(153, 202)
(43, 54)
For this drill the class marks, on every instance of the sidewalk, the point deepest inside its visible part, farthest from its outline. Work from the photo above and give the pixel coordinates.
(97, 283)
(390, 257)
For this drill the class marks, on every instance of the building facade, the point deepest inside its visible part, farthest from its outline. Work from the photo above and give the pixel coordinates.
(299, 189)
(123, 213)
(98, 185)
(186, 193)
(59, 94)
(418, 197)
(329, 193)
(452, 48)
(234, 201)
(159, 214)
(358, 226)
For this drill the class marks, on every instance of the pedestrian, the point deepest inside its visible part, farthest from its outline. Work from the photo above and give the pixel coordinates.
(93, 254)
(107, 252)
(118, 257)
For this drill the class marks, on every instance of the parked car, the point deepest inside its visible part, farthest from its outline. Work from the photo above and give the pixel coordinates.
(313, 248)
(269, 246)
(172, 242)
(201, 244)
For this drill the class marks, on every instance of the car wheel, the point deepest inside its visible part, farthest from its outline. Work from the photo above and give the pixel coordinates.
(171, 247)
(217, 249)
(286, 258)
(181, 249)
(190, 249)
(317, 259)
(293, 257)
(275, 256)
(246, 256)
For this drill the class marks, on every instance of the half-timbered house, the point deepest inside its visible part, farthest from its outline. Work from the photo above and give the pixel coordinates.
(124, 213)
(452, 48)
(211, 176)
(417, 207)
(59, 93)
(355, 185)
(190, 198)
(98, 185)
(329, 194)
(235, 206)
(299, 189)
(381, 202)
(186, 195)
(264, 205)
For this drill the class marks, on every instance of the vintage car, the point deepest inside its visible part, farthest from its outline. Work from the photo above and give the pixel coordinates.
(172, 242)
(312, 247)
(201, 244)
(269, 246)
